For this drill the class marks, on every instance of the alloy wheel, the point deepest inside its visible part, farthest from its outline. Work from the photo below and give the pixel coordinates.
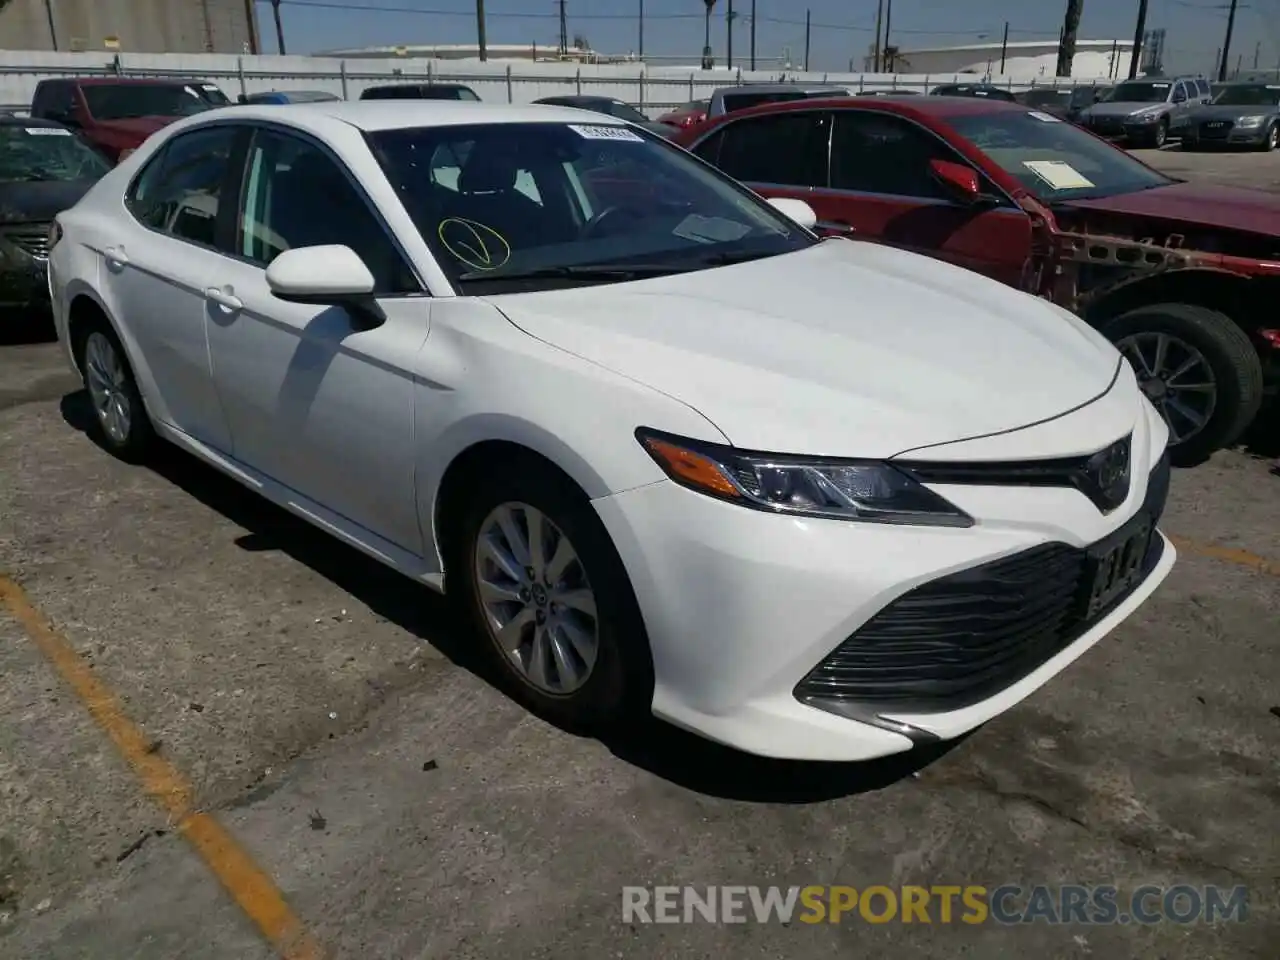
(108, 384)
(536, 600)
(1176, 378)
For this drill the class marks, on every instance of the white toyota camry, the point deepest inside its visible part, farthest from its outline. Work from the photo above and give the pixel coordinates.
(671, 452)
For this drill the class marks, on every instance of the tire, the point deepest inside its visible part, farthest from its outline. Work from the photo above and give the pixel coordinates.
(1272, 139)
(129, 439)
(1161, 135)
(618, 689)
(1232, 361)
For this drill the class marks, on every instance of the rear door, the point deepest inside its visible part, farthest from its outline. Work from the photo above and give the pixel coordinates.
(882, 186)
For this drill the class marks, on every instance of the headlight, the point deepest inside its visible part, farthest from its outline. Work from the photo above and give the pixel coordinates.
(1249, 123)
(1147, 117)
(864, 490)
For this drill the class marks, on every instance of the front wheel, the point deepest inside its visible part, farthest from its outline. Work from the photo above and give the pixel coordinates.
(120, 419)
(1161, 135)
(1198, 368)
(543, 586)
(1272, 138)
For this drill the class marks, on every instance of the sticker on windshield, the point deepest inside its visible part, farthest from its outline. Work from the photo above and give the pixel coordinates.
(1046, 117)
(1058, 174)
(208, 86)
(594, 132)
(48, 132)
(702, 229)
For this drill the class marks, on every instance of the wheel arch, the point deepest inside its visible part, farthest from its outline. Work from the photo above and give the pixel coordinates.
(1239, 297)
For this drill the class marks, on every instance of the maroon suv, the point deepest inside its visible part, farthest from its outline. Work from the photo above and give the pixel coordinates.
(116, 114)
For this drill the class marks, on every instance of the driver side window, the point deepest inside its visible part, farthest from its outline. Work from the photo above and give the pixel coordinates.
(873, 152)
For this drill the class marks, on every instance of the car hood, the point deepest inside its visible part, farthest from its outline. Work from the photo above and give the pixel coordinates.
(39, 201)
(138, 128)
(842, 349)
(1121, 109)
(1231, 112)
(1203, 204)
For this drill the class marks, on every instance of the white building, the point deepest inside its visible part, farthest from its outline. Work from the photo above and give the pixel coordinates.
(1024, 61)
(470, 51)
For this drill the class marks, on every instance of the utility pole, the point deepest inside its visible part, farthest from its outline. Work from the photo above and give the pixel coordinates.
(1138, 33)
(1070, 27)
(275, 12)
(484, 52)
(888, 23)
(251, 17)
(641, 24)
(564, 31)
(806, 40)
(53, 30)
(728, 35)
(753, 34)
(1257, 52)
(707, 62)
(1004, 47)
(875, 62)
(1226, 44)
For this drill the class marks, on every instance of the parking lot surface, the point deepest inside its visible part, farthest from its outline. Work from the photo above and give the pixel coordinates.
(328, 715)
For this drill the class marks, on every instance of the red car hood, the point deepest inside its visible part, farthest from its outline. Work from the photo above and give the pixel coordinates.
(1203, 204)
(138, 128)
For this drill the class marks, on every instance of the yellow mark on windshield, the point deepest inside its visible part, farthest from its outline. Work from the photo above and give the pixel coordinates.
(478, 246)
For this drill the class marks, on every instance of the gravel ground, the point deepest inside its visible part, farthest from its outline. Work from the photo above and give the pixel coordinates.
(332, 719)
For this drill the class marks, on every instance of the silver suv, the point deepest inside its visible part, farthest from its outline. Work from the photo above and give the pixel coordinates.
(1148, 110)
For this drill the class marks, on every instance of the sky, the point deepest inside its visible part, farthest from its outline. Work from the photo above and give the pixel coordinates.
(840, 30)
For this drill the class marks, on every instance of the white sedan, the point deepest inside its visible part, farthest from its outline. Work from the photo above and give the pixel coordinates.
(669, 451)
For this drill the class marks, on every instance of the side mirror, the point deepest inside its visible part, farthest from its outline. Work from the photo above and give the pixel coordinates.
(332, 275)
(959, 180)
(795, 210)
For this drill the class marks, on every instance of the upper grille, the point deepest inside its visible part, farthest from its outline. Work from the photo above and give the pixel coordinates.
(32, 240)
(959, 639)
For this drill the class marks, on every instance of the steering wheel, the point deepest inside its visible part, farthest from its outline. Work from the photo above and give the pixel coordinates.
(615, 215)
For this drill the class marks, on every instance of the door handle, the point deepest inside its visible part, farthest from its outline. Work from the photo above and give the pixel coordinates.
(223, 299)
(116, 257)
(835, 226)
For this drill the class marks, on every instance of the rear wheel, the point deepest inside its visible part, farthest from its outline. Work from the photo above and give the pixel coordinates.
(543, 586)
(1199, 370)
(120, 421)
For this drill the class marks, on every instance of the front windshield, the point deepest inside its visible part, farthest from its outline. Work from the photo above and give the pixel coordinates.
(495, 201)
(1260, 95)
(38, 153)
(624, 111)
(123, 101)
(1140, 91)
(1054, 160)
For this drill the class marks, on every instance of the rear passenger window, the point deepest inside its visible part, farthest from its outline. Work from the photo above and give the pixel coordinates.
(181, 190)
(787, 149)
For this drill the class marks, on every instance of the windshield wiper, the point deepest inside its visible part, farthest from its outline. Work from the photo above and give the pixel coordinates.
(603, 272)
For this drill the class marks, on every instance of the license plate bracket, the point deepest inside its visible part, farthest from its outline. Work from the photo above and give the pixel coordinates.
(1115, 565)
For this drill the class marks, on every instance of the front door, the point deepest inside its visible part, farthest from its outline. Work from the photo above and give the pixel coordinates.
(155, 263)
(883, 187)
(317, 399)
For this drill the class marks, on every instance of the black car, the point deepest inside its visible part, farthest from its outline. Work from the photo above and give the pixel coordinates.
(612, 107)
(1055, 101)
(419, 91)
(984, 90)
(44, 169)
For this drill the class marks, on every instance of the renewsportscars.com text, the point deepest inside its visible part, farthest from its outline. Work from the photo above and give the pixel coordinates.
(969, 904)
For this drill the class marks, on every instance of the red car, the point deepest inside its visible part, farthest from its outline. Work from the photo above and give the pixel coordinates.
(1183, 277)
(687, 116)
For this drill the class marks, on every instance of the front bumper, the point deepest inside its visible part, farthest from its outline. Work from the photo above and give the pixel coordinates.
(1224, 133)
(741, 606)
(24, 266)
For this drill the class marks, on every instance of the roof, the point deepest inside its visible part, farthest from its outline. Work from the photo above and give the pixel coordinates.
(375, 115)
(120, 81)
(775, 88)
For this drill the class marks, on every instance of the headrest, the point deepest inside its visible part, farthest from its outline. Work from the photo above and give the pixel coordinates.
(487, 171)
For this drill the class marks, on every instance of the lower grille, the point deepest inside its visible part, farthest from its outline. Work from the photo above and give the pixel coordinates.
(32, 240)
(960, 639)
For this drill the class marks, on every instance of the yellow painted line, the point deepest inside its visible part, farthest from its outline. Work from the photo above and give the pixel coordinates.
(252, 889)
(1234, 555)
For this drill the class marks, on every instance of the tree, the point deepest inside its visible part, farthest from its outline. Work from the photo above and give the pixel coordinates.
(1067, 46)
